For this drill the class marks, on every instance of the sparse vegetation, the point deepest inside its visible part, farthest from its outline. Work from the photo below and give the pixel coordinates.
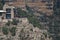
(23, 35)
(32, 19)
(13, 31)
(30, 11)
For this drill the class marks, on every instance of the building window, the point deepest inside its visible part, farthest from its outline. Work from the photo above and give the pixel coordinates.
(0, 14)
(8, 10)
(8, 16)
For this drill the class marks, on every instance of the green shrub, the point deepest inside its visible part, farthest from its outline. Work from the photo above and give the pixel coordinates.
(13, 31)
(45, 34)
(15, 22)
(34, 21)
(5, 30)
(8, 23)
(31, 29)
(21, 13)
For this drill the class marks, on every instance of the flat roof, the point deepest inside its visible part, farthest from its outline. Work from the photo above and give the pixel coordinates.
(2, 11)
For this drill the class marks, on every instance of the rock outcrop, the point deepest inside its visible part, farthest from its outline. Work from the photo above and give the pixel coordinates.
(26, 31)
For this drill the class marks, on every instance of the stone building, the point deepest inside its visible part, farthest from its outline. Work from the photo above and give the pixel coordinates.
(45, 6)
(7, 13)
